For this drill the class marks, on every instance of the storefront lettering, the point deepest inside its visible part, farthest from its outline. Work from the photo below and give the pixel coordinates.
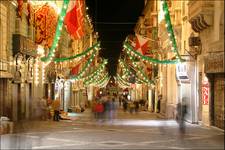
(205, 94)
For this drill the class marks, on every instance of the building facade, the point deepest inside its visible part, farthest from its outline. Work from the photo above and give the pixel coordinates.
(207, 42)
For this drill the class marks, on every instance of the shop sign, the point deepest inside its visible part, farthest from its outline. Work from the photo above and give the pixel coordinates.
(181, 72)
(205, 93)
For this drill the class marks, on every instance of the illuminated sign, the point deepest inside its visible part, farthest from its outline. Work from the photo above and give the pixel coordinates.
(181, 71)
(205, 93)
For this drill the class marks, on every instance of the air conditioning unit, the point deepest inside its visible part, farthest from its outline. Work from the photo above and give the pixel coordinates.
(194, 41)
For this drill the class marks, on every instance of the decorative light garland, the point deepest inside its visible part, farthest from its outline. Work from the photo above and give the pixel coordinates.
(57, 33)
(99, 82)
(104, 83)
(95, 46)
(146, 79)
(122, 80)
(129, 49)
(128, 72)
(93, 75)
(169, 28)
(170, 31)
(79, 76)
(121, 83)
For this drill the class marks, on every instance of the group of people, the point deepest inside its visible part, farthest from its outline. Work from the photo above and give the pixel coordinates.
(104, 108)
(44, 108)
(133, 106)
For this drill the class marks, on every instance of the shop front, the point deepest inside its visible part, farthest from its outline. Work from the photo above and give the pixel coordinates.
(213, 89)
(187, 90)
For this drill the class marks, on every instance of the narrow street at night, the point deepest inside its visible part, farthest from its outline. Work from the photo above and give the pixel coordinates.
(112, 74)
(129, 131)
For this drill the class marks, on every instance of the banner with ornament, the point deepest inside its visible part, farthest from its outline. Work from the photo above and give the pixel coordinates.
(45, 25)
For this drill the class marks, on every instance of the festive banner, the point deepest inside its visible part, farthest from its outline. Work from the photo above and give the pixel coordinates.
(140, 44)
(74, 19)
(75, 70)
(20, 8)
(45, 25)
(30, 16)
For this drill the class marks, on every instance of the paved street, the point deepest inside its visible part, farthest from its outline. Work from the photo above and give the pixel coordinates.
(129, 131)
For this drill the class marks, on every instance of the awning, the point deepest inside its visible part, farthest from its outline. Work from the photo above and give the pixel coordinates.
(4, 74)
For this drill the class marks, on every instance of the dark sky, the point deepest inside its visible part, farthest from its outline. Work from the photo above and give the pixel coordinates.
(114, 20)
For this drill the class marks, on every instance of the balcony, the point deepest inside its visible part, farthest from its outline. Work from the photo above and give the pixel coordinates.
(200, 14)
(5, 69)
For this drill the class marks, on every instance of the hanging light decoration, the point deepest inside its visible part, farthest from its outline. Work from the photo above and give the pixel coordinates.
(57, 33)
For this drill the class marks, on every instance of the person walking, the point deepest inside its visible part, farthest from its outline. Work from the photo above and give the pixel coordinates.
(181, 113)
(99, 108)
(43, 106)
(159, 103)
(56, 107)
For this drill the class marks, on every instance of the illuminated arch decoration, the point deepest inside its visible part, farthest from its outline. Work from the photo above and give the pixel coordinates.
(95, 74)
(129, 49)
(82, 72)
(83, 54)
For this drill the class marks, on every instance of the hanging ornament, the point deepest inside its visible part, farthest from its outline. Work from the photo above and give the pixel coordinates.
(45, 25)
(20, 8)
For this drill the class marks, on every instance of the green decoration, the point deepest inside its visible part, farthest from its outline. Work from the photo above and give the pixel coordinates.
(169, 28)
(79, 76)
(58, 31)
(95, 46)
(129, 49)
(92, 76)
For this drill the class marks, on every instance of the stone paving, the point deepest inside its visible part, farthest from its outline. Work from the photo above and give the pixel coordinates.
(137, 131)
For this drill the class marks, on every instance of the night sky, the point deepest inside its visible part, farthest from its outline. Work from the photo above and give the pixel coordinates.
(113, 20)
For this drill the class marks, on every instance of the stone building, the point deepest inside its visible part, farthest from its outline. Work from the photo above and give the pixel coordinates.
(207, 43)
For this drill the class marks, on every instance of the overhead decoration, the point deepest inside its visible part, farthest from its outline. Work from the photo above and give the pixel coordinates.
(57, 32)
(75, 70)
(82, 72)
(20, 8)
(140, 44)
(169, 28)
(90, 78)
(129, 49)
(132, 48)
(45, 25)
(30, 16)
(102, 80)
(143, 79)
(83, 54)
(74, 20)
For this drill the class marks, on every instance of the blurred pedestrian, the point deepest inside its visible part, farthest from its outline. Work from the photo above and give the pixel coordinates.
(56, 107)
(43, 107)
(125, 103)
(136, 104)
(99, 108)
(181, 113)
(159, 103)
(94, 103)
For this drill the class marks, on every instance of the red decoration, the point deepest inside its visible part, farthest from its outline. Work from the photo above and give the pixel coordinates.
(205, 93)
(75, 70)
(45, 24)
(141, 44)
(20, 8)
(30, 16)
(74, 19)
